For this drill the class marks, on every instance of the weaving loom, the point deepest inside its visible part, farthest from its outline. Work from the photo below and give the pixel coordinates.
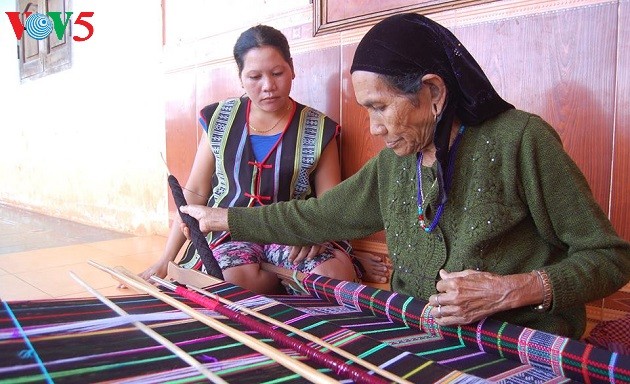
(83, 340)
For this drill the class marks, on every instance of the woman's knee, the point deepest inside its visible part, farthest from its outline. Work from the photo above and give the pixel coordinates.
(253, 278)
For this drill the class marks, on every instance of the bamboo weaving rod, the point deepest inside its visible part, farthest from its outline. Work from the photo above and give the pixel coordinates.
(337, 365)
(152, 334)
(183, 275)
(294, 365)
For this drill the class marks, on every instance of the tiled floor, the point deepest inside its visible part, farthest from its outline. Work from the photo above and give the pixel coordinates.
(22, 230)
(38, 252)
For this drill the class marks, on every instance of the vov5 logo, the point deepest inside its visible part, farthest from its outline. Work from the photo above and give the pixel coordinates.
(40, 26)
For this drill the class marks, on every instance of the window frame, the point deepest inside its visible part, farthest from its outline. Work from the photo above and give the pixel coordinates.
(39, 58)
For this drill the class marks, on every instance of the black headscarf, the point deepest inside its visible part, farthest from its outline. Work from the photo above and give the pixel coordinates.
(413, 44)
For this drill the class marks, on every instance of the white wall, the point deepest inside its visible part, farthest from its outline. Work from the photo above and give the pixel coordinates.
(84, 144)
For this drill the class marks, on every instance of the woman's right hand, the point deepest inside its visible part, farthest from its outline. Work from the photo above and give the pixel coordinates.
(210, 219)
(158, 269)
(467, 296)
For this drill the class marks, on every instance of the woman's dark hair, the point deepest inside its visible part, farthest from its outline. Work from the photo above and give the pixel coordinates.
(256, 37)
(409, 84)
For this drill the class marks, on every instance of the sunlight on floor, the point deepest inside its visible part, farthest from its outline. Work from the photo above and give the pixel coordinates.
(37, 253)
(45, 273)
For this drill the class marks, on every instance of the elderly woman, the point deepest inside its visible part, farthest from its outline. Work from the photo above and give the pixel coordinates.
(485, 214)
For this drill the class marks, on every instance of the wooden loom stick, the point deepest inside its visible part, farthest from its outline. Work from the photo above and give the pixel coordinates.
(183, 275)
(335, 364)
(152, 334)
(290, 363)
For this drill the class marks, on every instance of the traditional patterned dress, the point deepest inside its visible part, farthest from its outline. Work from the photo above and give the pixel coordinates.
(285, 173)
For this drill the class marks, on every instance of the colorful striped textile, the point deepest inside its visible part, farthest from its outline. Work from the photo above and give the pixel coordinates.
(82, 340)
(547, 354)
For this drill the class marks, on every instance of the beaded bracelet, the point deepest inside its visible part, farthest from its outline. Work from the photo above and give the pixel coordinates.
(546, 283)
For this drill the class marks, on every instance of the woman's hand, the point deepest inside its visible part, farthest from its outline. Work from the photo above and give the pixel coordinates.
(308, 252)
(468, 296)
(159, 269)
(184, 229)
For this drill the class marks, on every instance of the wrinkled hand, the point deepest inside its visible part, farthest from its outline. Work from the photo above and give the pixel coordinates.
(210, 219)
(308, 252)
(468, 296)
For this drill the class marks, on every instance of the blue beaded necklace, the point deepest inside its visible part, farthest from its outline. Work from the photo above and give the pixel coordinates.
(447, 184)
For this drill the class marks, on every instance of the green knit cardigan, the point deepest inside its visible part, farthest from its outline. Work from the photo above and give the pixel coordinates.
(517, 203)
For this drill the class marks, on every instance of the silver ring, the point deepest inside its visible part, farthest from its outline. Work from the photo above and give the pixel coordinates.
(439, 311)
(437, 299)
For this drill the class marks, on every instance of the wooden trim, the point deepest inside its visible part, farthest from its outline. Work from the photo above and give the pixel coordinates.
(322, 25)
(509, 9)
(598, 314)
(370, 246)
(480, 12)
(487, 12)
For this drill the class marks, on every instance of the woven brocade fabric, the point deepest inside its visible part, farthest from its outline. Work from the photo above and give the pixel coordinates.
(82, 340)
(67, 341)
(540, 353)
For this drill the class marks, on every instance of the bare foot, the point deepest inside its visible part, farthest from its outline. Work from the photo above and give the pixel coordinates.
(377, 268)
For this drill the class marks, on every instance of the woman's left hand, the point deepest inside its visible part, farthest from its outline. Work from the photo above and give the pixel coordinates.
(468, 296)
(299, 253)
